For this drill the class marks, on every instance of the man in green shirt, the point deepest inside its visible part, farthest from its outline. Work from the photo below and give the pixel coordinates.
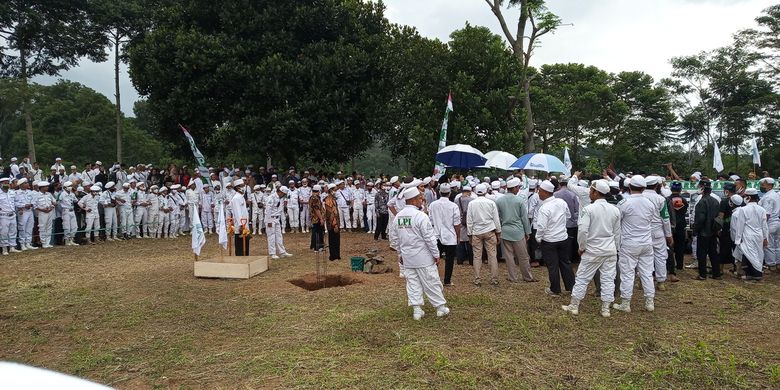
(513, 213)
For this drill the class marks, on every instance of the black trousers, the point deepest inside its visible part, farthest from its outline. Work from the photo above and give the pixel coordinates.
(749, 270)
(334, 245)
(676, 261)
(381, 226)
(448, 252)
(573, 246)
(726, 247)
(317, 236)
(556, 256)
(242, 247)
(465, 252)
(533, 245)
(707, 246)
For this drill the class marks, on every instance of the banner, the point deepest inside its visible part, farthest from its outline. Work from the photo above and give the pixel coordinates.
(717, 185)
(198, 238)
(221, 225)
(439, 168)
(204, 172)
(567, 159)
(754, 152)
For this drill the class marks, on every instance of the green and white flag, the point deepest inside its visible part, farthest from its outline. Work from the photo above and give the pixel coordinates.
(439, 168)
(204, 172)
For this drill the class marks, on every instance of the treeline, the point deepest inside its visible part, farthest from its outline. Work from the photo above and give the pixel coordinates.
(322, 82)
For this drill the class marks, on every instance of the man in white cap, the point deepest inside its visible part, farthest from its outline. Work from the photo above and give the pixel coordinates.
(598, 235)
(45, 205)
(413, 236)
(109, 211)
(293, 207)
(484, 228)
(370, 207)
(153, 212)
(273, 229)
(7, 218)
(207, 208)
(304, 195)
(515, 230)
(124, 209)
(750, 231)
(164, 228)
(24, 205)
(257, 200)
(358, 203)
(15, 168)
(89, 203)
(551, 233)
(465, 251)
(661, 229)
(344, 201)
(392, 194)
(445, 217)
(317, 219)
(193, 202)
(67, 201)
(770, 201)
(240, 219)
(582, 192)
(141, 204)
(635, 253)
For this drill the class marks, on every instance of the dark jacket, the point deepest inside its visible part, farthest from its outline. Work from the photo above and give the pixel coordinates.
(706, 211)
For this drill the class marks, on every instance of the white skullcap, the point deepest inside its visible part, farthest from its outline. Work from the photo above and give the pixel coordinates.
(455, 184)
(737, 200)
(338, 182)
(94, 188)
(58, 159)
(111, 185)
(414, 183)
(486, 179)
(206, 185)
(21, 181)
(72, 167)
(133, 180)
(513, 182)
(370, 183)
(444, 188)
(751, 191)
(614, 184)
(651, 180)
(140, 184)
(66, 184)
(467, 188)
(733, 177)
(393, 179)
(191, 183)
(637, 181)
(291, 181)
(164, 188)
(153, 187)
(256, 187)
(426, 181)
(697, 175)
(532, 183)
(601, 186)
(411, 193)
(481, 189)
(176, 186)
(331, 186)
(767, 180)
(125, 185)
(238, 182)
(547, 186)
(80, 188)
(98, 163)
(283, 189)
(316, 188)
(43, 183)
(495, 185)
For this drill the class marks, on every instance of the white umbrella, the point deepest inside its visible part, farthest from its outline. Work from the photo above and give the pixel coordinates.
(460, 156)
(500, 160)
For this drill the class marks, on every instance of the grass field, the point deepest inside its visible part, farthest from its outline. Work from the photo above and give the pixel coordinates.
(131, 315)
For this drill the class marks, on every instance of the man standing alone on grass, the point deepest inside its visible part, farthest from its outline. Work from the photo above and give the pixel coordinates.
(445, 217)
(515, 228)
(598, 236)
(415, 239)
(706, 231)
(551, 220)
(240, 219)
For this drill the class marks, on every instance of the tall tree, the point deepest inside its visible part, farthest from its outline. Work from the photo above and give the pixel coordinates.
(45, 37)
(120, 21)
(534, 22)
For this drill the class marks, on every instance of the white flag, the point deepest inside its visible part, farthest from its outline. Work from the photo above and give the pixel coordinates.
(754, 152)
(717, 162)
(221, 226)
(439, 168)
(566, 159)
(198, 238)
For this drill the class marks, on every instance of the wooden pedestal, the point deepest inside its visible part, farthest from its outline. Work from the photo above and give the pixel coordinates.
(231, 267)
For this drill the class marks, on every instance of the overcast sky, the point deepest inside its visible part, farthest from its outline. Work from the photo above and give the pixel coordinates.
(615, 35)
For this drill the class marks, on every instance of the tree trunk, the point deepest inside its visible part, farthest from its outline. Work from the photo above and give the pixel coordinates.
(528, 139)
(118, 103)
(26, 107)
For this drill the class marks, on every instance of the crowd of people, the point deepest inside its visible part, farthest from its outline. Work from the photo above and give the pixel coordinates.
(616, 226)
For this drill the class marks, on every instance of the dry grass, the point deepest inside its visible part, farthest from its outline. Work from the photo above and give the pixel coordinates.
(131, 315)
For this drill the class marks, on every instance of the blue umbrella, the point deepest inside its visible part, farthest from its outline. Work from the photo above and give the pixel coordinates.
(540, 162)
(460, 156)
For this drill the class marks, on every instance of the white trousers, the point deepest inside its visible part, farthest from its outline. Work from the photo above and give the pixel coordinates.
(293, 213)
(660, 253)
(344, 221)
(357, 216)
(93, 224)
(8, 230)
(371, 217)
(69, 225)
(207, 219)
(257, 221)
(154, 221)
(184, 221)
(305, 217)
(635, 259)
(141, 217)
(772, 251)
(109, 217)
(164, 225)
(589, 264)
(45, 226)
(192, 210)
(424, 280)
(24, 226)
(275, 239)
(126, 219)
(175, 227)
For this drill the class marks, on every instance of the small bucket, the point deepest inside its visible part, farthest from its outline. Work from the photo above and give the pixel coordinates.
(357, 264)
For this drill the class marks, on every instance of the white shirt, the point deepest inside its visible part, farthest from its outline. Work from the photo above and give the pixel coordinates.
(240, 214)
(482, 217)
(583, 193)
(661, 225)
(371, 197)
(107, 198)
(636, 220)
(749, 229)
(771, 203)
(44, 201)
(207, 200)
(7, 202)
(445, 215)
(550, 220)
(343, 197)
(89, 203)
(193, 197)
(598, 232)
(533, 204)
(273, 208)
(413, 236)
(292, 199)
